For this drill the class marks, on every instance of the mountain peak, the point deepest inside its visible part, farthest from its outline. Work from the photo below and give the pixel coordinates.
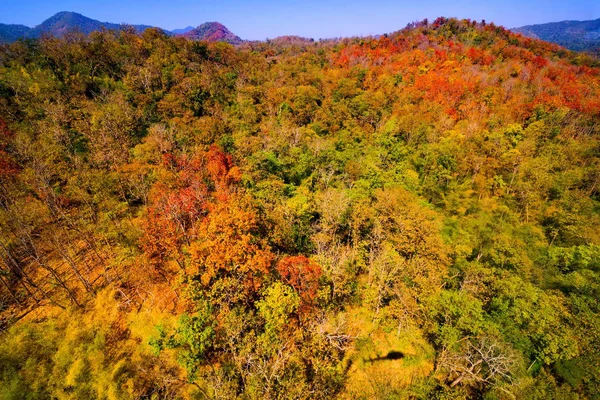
(65, 21)
(62, 14)
(61, 23)
(213, 32)
(183, 30)
(215, 24)
(65, 17)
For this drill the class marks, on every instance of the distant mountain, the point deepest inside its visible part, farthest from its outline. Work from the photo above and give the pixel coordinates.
(65, 21)
(182, 31)
(10, 32)
(574, 35)
(58, 25)
(213, 32)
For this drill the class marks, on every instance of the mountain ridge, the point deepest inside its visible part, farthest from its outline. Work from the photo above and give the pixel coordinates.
(574, 35)
(66, 21)
(12, 32)
(182, 30)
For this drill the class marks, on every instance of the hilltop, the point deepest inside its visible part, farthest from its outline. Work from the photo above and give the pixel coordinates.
(65, 21)
(213, 32)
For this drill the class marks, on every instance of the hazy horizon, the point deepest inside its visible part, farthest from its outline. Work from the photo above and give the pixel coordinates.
(258, 20)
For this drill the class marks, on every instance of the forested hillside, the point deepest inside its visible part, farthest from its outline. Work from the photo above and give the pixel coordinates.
(415, 216)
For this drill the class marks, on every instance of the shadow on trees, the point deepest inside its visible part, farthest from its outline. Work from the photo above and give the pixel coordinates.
(392, 355)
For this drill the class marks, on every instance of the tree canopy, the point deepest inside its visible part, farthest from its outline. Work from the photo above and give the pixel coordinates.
(410, 216)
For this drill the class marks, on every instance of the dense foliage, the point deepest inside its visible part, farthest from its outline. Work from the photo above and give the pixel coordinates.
(413, 216)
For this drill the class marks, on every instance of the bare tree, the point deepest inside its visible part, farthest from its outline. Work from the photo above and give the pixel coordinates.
(479, 362)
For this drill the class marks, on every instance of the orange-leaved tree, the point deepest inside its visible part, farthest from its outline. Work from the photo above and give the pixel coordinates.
(229, 259)
(303, 275)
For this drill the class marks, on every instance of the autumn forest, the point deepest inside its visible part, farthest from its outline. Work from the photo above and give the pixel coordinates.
(410, 216)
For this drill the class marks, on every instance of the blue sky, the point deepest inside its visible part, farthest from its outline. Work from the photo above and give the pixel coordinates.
(311, 18)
